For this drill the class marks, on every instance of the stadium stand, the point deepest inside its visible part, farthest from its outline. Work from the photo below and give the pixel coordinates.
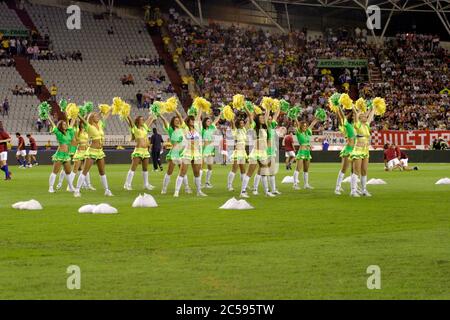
(405, 71)
(97, 75)
(9, 19)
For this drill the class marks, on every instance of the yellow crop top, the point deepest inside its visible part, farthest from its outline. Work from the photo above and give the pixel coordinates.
(96, 134)
(140, 133)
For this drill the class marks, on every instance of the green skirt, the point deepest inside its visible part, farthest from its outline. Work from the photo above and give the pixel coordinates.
(303, 155)
(174, 155)
(61, 156)
(209, 151)
(346, 151)
(72, 150)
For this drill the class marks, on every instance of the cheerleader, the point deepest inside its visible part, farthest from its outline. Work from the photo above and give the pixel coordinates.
(258, 157)
(174, 129)
(360, 153)
(72, 151)
(208, 129)
(346, 127)
(94, 125)
(272, 154)
(303, 133)
(64, 135)
(82, 140)
(139, 132)
(239, 156)
(192, 153)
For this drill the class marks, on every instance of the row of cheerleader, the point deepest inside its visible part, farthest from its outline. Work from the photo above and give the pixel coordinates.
(81, 139)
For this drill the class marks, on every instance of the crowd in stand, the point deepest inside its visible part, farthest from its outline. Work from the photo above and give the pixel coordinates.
(21, 91)
(225, 60)
(143, 61)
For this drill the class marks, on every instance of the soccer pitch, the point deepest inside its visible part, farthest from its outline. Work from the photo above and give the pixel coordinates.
(307, 244)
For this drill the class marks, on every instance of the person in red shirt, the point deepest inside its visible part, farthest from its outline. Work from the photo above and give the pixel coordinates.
(32, 152)
(403, 157)
(21, 153)
(4, 139)
(391, 160)
(288, 143)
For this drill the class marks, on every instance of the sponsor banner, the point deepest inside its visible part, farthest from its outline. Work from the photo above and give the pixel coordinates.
(416, 139)
(14, 33)
(341, 63)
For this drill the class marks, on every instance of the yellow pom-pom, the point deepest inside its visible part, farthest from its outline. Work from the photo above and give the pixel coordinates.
(238, 101)
(170, 105)
(275, 105)
(228, 113)
(117, 105)
(257, 110)
(379, 106)
(104, 108)
(266, 103)
(202, 105)
(72, 111)
(332, 107)
(361, 105)
(346, 101)
(125, 110)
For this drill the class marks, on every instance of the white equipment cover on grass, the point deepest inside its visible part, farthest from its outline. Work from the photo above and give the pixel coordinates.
(28, 205)
(443, 181)
(234, 204)
(288, 179)
(145, 201)
(376, 181)
(102, 208)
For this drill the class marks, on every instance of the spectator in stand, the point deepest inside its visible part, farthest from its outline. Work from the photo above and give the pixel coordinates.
(39, 125)
(139, 99)
(53, 92)
(39, 84)
(5, 107)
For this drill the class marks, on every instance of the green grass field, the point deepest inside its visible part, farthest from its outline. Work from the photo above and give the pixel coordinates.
(300, 245)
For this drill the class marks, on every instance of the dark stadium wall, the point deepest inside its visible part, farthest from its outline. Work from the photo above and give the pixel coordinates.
(123, 156)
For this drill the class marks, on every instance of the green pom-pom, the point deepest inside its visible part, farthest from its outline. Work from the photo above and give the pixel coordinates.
(369, 104)
(335, 99)
(249, 106)
(321, 114)
(44, 110)
(155, 109)
(284, 106)
(85, 109)
(294, 112)
(63, 104)
(89, 106)
(192, 111)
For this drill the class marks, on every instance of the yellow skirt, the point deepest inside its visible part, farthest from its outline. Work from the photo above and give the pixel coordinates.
(140, 153)
(95, 154)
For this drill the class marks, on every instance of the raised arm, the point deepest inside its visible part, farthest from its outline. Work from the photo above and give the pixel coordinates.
(217, 119)
(179, 117)
(51, 122)
(165, 122)
(129, 122)
(106, 116)
(72, 122)
(370, 116)
(150, 121)
(83, 120)
(313, 123)
(276, 115)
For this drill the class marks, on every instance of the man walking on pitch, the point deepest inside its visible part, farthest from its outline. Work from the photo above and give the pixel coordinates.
(156, 147)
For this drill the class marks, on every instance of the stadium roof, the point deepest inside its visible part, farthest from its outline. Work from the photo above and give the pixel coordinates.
(396, 5)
